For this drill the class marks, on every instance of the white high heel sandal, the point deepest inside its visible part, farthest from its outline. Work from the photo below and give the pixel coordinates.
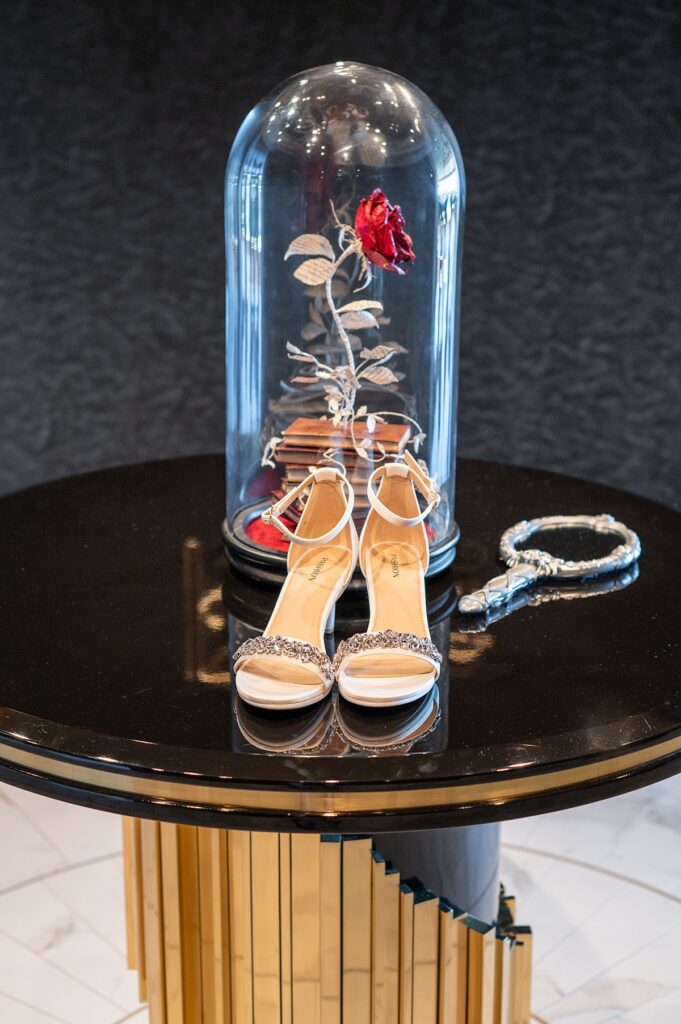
(287, 666)
(395, 661)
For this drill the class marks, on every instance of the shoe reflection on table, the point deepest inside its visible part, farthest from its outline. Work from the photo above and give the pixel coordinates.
(378, 731)
(337, 727)
(304, 732)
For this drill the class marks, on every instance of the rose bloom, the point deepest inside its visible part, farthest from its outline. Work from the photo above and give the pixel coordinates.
(380, 227)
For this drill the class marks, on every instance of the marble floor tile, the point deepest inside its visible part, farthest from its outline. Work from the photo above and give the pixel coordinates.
(544, 992)
(619, 926)
(637, 835)
(38, 919)
(645, 985)
(25, 852)
(665, 1010)
(77, 833)
(606, 913)
(586, 1016)
(13, 1011)
(31, 979)
(559, 902)
(62, 926)
(93, 892)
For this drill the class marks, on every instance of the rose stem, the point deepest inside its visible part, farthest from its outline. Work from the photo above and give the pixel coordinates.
(334, 312)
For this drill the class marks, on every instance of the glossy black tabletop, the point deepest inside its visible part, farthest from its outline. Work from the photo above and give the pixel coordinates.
(118, 614)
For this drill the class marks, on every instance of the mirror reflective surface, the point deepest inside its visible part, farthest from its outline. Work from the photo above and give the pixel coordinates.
(576, 543)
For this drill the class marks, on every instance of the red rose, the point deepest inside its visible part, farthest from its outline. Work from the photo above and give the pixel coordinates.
(380, 227)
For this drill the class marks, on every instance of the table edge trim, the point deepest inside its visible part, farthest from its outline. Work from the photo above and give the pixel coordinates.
(331, 801)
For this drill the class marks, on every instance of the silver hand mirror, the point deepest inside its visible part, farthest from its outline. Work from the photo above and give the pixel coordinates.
(605, 546)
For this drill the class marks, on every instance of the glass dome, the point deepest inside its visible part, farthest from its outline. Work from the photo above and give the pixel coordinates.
(344, 202)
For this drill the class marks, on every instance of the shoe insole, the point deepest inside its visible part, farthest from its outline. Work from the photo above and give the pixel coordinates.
(395, 580)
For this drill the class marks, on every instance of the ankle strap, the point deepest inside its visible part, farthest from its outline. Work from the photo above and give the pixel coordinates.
(315, 476)
(408, 470)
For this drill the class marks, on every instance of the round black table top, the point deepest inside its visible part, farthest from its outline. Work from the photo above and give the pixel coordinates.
(118, 616)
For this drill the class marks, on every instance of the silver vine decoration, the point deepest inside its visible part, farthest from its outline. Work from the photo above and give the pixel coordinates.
(327, 280)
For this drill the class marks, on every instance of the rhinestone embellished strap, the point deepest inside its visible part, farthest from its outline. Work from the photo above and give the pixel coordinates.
(286, 647)
(386, 639)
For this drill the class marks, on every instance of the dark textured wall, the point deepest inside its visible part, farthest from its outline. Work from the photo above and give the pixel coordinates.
(116, 120)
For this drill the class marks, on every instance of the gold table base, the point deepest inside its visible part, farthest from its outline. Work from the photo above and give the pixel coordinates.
(235, 927)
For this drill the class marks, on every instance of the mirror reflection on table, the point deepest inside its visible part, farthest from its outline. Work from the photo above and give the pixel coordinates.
(554, 590)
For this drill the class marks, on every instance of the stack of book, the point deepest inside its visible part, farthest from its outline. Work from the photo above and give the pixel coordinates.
(307, 439)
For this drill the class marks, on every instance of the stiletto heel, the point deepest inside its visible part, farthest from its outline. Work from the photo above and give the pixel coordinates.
(287, 666)
(331, 621)
(395, 661)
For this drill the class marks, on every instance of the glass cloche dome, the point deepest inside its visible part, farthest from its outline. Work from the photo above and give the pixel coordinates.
(344, 202)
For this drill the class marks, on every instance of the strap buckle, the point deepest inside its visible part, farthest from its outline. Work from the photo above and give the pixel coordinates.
(274, 511)
(433, 496)
(429, 489)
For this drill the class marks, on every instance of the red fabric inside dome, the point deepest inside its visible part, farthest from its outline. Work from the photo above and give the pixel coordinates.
(268, 536)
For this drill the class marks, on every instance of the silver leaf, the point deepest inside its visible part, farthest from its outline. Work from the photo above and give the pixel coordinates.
(312, 330)
(358, 320)
(379, 352)
(310, 245)
(296, 353)
(314, 272)
(361, 304)
(378, 375)
(338, 290)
